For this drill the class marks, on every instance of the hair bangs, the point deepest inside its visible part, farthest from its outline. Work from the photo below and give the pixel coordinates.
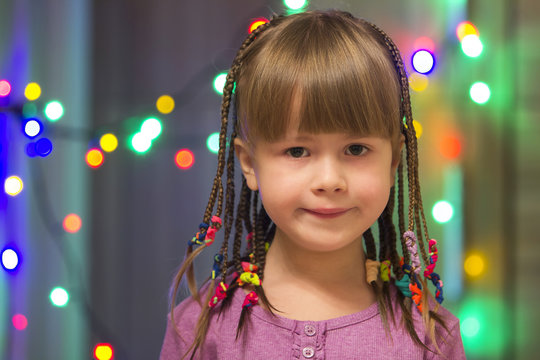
(320, 74)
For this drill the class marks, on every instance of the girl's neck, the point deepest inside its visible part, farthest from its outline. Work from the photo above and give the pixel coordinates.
(289, 262)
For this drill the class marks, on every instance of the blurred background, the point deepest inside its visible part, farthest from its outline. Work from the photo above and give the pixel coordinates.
(108, 110)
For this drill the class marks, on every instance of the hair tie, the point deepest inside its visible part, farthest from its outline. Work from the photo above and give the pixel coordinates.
(220, 294)
(211, 232)
(218, 260)
(198, 239)
(372, 270)
(403, 285)
(410, 240)
(250, 300)
(433, 257)
(416, 295)
(385, 270)
(248, 278)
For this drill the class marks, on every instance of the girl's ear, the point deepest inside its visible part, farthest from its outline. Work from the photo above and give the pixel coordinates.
(245, 156)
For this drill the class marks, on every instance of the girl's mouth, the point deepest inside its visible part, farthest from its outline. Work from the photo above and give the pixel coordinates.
(327, 213)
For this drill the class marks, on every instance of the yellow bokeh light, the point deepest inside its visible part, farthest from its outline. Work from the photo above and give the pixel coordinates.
(466, 28)
(418, 82)
(32, 91)
(108, 142)
(103, 352)
(165, 104)
(418, 128)
(474, 265)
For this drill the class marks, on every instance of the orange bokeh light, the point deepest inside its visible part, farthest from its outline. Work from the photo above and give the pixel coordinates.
(256, 23)
(184, 159)
(451, 147)
(72, 223)
(94, 158)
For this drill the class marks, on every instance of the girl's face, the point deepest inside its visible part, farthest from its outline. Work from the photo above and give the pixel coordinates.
(321, 190)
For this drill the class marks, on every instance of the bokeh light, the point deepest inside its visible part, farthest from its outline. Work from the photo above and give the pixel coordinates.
(19, 322)
(212, 143)
(474, 265)
(480, 92)
(466, 28)
(295, 4)
(184, 159)
(418, 128)
(450, 147)
(43, 147)
(140, 143)
(165, 104)
(470, 326)
(32, 91)
(59, 297)
(472, 46)
(54, 110)
(108, 142)
(94, 158)
(151, 128)
(256, 23)
(29, 110)
(424, 43)
(423, 61)
(103, 352)
(219, 82)
(442, 211)
(13, 185)
(32, 128)
(418, 82)
(10, 259)
(72, 223)
(5, 88)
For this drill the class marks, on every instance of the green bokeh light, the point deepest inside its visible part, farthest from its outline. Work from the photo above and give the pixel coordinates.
(54, 110)
(212, 143)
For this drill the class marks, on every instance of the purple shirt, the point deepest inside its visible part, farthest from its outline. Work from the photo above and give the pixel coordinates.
(356, 336)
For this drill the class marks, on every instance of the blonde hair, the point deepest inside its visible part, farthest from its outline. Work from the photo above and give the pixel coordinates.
(323, 71)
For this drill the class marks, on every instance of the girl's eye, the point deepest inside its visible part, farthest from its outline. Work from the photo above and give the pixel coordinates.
(296, 152)
(356, 149)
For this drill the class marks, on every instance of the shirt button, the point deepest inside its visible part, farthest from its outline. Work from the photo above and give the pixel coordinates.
(308, 352)
(310, 330)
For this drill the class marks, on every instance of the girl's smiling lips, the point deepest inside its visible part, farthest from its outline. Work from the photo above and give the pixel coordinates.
(327, 213)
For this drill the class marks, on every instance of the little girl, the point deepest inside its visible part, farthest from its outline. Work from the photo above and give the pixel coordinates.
(321, 120)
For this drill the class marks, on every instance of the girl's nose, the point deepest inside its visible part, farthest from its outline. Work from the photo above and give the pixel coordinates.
(329, 177)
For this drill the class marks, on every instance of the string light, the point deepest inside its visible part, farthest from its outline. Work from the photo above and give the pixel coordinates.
(480, 92)
(151, 128)
(103, 352)
(32, 127)
(54, 110)
(108, 142)
(442, 211)
(59, 297)
(94, 158)
(13, 185)
(43, 147)
(165, 104)
(212, 142)
(256, 23)
(5, 88)
(472, 46)
(19, 322)
(10, 259)
(418, 82)
(184, 159)
(219, 82)
(423, 61)
(32, 91)
(72, 223)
